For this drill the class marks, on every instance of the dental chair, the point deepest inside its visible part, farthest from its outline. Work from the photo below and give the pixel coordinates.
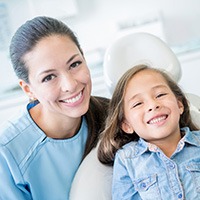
(93, 180)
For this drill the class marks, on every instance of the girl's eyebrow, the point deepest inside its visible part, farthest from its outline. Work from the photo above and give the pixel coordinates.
(160, 86)
(133, 97)
(153, 88)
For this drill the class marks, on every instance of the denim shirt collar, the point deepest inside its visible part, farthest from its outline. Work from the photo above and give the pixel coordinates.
(189, 137)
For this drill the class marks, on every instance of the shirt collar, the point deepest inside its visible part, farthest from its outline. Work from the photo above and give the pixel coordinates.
(190, 137)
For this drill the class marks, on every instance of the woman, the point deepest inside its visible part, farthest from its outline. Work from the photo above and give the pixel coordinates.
(41, 150)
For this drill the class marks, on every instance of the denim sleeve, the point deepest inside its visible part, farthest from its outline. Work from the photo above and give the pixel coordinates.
(122, 185)
(10, 185)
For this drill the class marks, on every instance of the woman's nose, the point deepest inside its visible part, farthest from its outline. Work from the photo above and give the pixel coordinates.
(68, 83)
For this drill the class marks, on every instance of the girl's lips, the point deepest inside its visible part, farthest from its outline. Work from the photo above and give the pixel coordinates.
(158, 119)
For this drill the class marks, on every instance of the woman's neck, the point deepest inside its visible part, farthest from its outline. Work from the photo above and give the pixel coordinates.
(57, 127)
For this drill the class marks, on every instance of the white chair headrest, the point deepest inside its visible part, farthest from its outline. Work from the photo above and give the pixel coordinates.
(138, 48)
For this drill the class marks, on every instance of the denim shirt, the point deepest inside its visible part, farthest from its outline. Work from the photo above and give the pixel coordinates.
(142, 171)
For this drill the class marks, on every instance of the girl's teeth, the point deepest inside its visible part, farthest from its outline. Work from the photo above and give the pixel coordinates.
(156, 120)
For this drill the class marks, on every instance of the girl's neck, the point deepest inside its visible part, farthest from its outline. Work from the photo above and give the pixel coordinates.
(169, 145)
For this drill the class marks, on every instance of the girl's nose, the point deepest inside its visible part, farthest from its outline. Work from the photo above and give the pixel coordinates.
(68, 83)
(153, 105)
(154, 108)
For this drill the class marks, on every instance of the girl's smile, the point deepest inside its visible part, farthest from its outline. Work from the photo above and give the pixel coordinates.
(158, 119)
(151, 109)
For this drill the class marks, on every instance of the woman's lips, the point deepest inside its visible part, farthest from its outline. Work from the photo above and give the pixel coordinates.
(73, 99)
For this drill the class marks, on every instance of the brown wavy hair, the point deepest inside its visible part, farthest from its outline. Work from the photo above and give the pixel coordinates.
(113, 137)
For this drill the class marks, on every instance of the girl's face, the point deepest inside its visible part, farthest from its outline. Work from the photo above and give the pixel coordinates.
(59, 77)
(151, 109)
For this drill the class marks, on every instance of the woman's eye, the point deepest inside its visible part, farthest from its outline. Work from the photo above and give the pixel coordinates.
(75, 64)
(161, 94)
(48, 78)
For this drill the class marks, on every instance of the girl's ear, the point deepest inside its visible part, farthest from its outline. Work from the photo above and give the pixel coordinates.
(126, 127)
(26, 88)
(181, 107)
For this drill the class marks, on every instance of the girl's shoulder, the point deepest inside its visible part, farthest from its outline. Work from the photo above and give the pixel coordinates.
(130, 149)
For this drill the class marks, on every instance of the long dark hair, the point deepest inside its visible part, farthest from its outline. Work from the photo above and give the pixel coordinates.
(96, 117)
(29, 34)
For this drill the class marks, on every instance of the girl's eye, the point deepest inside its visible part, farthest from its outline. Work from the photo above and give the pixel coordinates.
(161, 94)
(48, 78)
(137, 104)
(75, 64)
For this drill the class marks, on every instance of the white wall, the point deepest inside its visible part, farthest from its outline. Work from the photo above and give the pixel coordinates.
(97, 20)
(97, 24)
(15, 14)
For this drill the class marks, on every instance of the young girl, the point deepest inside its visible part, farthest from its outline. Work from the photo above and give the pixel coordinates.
(161, 159)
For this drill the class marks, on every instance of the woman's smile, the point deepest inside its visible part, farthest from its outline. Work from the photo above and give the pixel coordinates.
(73, 100)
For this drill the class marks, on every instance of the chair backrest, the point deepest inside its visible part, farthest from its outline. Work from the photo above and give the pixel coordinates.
(138, 48)
(93, 180)
(144, 48)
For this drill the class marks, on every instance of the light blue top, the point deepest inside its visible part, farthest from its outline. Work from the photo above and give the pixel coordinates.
(34, 166)
(142, 171)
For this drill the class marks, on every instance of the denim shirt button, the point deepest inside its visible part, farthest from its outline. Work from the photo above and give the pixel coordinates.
(172, 166)
(180, 196)
(143, 185)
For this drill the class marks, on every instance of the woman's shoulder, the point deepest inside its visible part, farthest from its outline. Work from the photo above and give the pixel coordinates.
(19, 137)
(19, 131)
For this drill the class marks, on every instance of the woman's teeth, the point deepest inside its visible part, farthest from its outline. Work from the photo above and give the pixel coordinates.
(74, 99)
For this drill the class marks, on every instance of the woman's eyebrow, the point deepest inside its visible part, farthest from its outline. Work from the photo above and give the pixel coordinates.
(75, 55)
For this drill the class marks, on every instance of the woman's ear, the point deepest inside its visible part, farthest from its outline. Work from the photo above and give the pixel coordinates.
(127, 128)
(26, 88)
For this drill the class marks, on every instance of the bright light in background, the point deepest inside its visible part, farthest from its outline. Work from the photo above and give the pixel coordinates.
(4, 27)
(7, 76)
(98, 22)
(13, 13)
(55, 8)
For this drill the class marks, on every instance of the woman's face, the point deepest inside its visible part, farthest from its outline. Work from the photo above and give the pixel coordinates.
(58, 77)
(151, 108)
